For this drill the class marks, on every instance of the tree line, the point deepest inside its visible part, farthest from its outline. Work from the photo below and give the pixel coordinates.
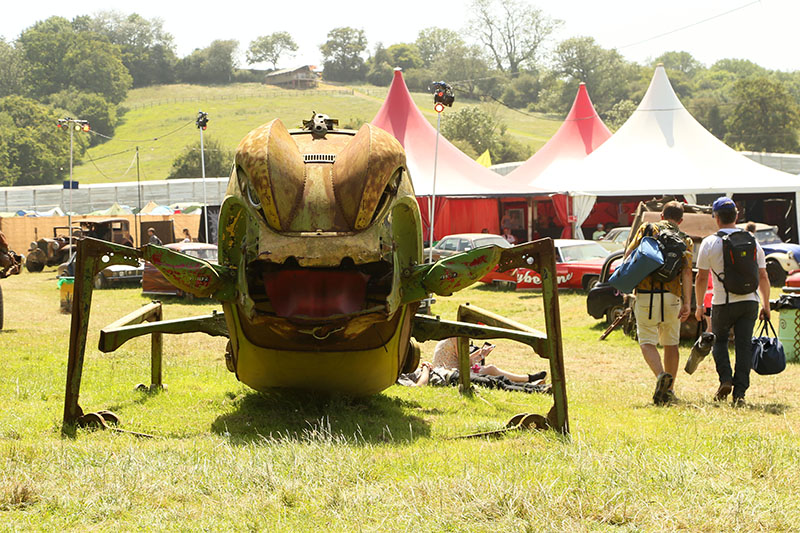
(85, 67)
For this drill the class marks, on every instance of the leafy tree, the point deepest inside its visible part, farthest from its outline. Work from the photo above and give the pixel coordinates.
(766, 117)
(213, 64)
(434, 43)
(12, 70)
(270, 48)
(741, 68)
(101, 114)
(465, 67)
(606, 74)
(341, 54)
(380, 73)
(678, 61)
(147, 50)
(59, 57)
(34, 151)
(619, 114)
(513, 31)
(522, 90)
(405, 56)
(481, 131)
(216, 156)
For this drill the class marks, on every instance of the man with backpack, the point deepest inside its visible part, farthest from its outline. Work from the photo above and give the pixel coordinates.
(663, 298)
(739, 280)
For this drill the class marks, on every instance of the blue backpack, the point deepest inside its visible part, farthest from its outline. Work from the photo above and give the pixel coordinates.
(646, 259)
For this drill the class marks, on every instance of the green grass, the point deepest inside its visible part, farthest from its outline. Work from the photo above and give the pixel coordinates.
(168, 112)
(228, 459)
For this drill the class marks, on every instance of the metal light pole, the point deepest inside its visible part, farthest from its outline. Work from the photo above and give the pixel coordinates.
(80, 125)
(442, 96)
(202, 121)
(432, 207)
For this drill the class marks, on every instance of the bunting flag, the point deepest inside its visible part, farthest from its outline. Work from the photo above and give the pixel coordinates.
(485, 159)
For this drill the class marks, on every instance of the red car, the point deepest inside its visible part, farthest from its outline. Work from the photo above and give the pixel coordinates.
(153, 282)
(578, 265)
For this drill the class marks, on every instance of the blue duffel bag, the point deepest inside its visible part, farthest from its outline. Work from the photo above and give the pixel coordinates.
(645, 260)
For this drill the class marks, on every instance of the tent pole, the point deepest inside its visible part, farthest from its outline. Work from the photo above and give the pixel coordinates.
(797, 212)
(530, 219)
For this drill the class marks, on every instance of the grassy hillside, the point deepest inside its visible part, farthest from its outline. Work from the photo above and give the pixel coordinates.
(160, 121)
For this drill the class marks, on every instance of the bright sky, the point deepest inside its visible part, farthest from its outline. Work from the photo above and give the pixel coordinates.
(762, 31)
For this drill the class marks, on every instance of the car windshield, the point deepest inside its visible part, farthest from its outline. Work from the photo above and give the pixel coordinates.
(497, 241)
(768, 236)
(208, 254)
(582, 252)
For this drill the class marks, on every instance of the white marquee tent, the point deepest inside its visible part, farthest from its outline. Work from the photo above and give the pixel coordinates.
(662, 149)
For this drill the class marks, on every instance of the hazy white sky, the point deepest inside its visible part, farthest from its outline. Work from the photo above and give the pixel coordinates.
(762, 31)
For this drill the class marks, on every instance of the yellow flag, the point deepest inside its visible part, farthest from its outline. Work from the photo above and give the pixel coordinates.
(485, 159)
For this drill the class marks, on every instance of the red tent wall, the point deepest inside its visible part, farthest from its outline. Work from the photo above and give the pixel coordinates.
(459, 215)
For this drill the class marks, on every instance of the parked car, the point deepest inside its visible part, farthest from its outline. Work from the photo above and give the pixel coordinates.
(615, 239)
(154, 282)
(111, 276)
(782, 257)
(462, 242)
(578, 265)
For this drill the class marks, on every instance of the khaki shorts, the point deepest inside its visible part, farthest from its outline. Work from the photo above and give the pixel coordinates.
(649, 326)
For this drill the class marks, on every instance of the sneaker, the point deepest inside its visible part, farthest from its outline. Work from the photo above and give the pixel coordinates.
(663, 383)
(700, 350)
(670, 397)
(723, 391)
(739, 402)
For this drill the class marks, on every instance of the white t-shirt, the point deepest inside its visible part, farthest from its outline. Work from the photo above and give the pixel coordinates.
(709, 257)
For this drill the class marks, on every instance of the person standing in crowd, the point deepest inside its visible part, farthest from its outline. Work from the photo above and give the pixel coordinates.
(153, 238)
(731, 309)
(660, 307)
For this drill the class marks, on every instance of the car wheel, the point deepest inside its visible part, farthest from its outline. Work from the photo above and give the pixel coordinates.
(590, 281)
(100, 281)
(613, 313)
(776, 274)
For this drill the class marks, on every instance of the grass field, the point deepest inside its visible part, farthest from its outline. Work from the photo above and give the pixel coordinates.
(228, 459)
(160, 121)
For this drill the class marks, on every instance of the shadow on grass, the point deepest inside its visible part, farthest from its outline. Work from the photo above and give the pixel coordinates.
(305, 416)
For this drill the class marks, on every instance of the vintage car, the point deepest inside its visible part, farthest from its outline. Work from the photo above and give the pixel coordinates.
(578, 265)
(462, 242)
(153, 282)
(115, 275)
(782, 257)
(615, 239)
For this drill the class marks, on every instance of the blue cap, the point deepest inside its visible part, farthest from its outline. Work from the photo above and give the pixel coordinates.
(723, 202)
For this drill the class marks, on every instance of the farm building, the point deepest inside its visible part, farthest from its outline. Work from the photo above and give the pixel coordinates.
(293, 78)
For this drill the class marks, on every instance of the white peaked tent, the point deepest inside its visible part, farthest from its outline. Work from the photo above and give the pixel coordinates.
(662, 149)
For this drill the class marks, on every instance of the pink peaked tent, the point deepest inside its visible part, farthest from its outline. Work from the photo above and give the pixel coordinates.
(581, 132)
(457, 175)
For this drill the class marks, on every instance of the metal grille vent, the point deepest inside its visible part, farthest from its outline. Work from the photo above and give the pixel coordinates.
(319, 158)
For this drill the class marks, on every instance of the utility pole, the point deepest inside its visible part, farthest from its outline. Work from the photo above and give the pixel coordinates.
(73, 124)
(202, 124)
(137, 217)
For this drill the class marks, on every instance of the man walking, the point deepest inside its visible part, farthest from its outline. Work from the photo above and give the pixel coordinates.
(662, 300)
(739, 277)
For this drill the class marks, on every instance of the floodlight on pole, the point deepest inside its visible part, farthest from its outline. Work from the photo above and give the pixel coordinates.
(72, 124)
(202, 124)
(442, 96)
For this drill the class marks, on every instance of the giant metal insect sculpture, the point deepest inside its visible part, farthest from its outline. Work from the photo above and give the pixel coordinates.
(320, 274)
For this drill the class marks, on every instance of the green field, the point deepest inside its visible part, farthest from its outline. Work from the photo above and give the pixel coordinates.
(228, 459)
(167, 113)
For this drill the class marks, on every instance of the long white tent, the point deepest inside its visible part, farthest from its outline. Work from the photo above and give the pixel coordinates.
(662, 149)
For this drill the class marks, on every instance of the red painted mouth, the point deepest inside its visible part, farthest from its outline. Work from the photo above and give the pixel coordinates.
(315, 293)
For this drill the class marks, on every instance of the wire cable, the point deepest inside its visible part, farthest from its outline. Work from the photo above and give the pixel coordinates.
(141, 140)
(689, 25)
